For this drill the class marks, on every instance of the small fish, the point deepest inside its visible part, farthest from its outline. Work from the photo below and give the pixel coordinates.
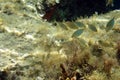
(77, 32)
(83, 43)
(92, 27)
(63, 25)
(48, 15)
(110, 24)
(71, 25)
(79, 24)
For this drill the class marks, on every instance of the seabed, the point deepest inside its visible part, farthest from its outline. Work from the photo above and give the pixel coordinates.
(34, 49)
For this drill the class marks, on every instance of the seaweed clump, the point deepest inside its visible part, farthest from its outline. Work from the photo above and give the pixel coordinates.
(108, 64)
(76, 67)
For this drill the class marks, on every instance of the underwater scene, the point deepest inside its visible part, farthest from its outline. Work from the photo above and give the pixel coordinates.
(59, 39)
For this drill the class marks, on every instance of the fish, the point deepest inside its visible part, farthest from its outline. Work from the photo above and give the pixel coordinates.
(92, 27)
(110, 24)
(48, 14)
(77, 33)
(80, 24)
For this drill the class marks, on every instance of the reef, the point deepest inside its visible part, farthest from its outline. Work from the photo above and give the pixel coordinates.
(35, 49)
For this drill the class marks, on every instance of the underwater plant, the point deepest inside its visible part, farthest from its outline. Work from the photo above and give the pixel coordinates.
(108, 64)
(76, 67)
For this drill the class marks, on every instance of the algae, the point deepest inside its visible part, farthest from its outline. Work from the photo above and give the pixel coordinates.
(34, 49)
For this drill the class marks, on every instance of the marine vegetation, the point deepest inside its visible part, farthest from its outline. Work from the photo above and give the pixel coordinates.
(75, 48)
